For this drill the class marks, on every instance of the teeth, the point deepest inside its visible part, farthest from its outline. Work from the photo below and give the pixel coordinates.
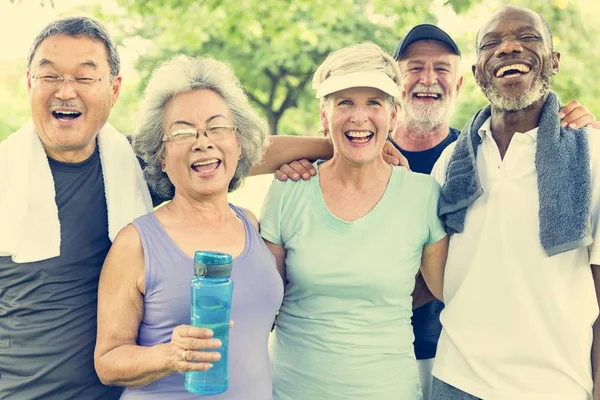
(519, 67)
(434, 95)
(67, 112)
(200, 163)
(358, 134)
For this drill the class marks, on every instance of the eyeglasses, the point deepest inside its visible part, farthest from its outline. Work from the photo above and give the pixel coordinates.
(53, 82)
(189, 135)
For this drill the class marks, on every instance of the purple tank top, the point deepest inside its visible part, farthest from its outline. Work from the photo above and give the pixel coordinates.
(257, 296)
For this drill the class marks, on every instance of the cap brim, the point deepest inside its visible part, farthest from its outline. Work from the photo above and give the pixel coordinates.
(374, 79)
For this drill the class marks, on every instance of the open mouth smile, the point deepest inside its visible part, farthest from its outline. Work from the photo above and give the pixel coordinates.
(426, 95)
(512, 70)
(359, 137)
(66, 115)
(206, 167)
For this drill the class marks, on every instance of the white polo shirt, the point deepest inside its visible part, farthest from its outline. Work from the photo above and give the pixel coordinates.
(517, 324)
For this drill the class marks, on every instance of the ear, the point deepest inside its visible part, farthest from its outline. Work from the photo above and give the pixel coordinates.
(324, 118)
(459, 84)
(555, 62)
(393, 118)
(116, 89)
(28, 81)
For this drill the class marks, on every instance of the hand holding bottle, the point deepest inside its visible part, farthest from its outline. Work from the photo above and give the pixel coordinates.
(187, 349)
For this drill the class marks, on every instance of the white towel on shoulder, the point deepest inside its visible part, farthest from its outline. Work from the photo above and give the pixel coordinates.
(29, 225)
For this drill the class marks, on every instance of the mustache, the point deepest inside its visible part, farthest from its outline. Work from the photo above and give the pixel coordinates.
(64, 104)
(421, 88)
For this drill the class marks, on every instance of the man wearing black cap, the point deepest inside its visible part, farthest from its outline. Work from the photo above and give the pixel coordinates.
(429, 61)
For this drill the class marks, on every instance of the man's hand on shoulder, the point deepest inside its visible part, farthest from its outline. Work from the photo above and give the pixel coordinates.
(296, 170)
(392, 156)
(574, 115)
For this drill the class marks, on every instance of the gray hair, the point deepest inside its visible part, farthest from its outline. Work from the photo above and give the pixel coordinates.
(183, 74)
(76, 27)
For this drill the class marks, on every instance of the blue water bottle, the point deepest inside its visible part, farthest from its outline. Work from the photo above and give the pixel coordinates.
(212, 290)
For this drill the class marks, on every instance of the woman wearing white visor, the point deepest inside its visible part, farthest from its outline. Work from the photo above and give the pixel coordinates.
(348, 244)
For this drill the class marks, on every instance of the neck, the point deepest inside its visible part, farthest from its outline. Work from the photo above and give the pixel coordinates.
(505, 124)
(206, 209)
(412, 141)
(72, 156)
(356, 176)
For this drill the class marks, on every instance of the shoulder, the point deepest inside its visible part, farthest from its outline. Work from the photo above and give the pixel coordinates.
(593, 136)
(127, 238)
(251, 217)
(594, 142)
(453, 134)
(439, 169)
(415, 182)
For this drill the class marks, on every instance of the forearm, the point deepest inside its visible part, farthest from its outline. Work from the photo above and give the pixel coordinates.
(596, 338)
(596, 360)
(285, 149)
(133, 366)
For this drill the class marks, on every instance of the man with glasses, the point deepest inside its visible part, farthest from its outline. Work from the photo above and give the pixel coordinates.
(68, 183)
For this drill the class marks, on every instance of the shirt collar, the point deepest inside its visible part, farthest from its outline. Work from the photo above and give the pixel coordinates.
(486, 130)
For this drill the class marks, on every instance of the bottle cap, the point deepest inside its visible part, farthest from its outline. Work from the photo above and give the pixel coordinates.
(212, 264)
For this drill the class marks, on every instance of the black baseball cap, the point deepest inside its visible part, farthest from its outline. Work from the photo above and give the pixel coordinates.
(425, 32)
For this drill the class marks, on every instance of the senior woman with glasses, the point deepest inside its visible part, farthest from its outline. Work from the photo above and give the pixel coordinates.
(199, 137)
(348, 244)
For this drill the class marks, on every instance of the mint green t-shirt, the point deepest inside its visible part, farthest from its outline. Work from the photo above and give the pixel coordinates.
(343, 331)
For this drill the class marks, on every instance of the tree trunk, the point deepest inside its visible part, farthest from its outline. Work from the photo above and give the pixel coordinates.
(273, 122)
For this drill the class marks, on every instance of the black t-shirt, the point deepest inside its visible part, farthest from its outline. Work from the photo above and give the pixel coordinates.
(426, 319)
(423, 161)
(48, 308)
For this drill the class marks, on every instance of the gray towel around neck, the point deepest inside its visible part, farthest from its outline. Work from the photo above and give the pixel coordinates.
(562, 162)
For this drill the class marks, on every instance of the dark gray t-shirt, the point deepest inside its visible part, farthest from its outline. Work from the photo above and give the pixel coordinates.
(48, 308)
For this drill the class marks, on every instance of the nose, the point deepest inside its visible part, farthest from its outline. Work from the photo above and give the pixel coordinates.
(509, 46)
(359, 115)
(203, 142)
(65, 91)
(428, 77)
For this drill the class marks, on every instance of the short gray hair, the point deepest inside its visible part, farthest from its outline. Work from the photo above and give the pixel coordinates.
(77, 27)
(183, 74)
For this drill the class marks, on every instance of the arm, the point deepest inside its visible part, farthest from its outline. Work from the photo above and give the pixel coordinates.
(596, 340)
(118, 359)
(433, 263)
(279, 253)
(304, 169)
(285, 149)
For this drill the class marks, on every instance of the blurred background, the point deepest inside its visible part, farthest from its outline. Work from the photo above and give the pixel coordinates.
(274, 47)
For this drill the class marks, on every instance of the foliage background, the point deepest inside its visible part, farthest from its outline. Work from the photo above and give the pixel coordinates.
(274, 46)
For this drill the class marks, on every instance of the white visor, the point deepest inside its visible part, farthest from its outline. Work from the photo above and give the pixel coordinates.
(373, 79)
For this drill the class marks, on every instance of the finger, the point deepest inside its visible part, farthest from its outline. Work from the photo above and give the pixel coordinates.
(299, 168)
(595, 125)
(566, 110)
(200, 344)
(202, 356)
(582, 121)
(309, 167)
(280, 176)
(390, 159)
(184, 366)
(404, 162)
(230, 323)
(289, 171)
(576, 114)
(188, 331)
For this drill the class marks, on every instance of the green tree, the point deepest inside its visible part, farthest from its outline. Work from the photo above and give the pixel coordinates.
(274, 46)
